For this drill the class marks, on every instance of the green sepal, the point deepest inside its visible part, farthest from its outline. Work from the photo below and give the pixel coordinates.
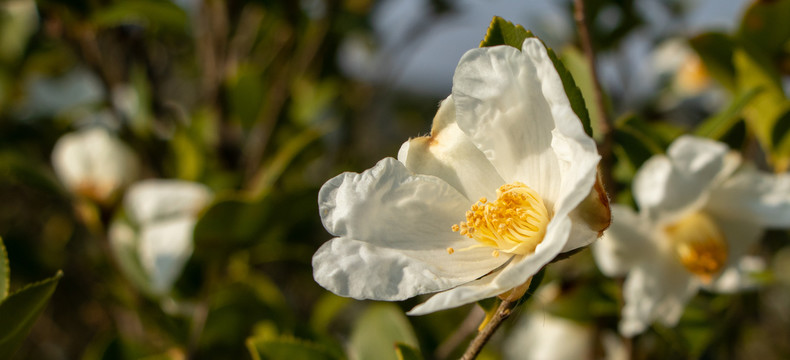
(503, 32)
(533, 286)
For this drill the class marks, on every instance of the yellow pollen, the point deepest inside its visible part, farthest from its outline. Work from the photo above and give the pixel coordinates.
(699, 245)
(450, 250)
(514, 223)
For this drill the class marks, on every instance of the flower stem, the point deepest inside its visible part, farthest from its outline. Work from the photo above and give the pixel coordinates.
(502, 313)
(604, 123)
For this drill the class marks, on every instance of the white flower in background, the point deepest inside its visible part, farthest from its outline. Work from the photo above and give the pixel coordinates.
(94, 163)
(156, 242)
(479, 206)
(542, 336)
(700, 210)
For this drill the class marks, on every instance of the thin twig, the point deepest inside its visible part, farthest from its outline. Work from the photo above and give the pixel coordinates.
(604, 123)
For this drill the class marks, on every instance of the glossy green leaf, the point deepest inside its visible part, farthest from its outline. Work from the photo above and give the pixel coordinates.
(376, 332)
(503, 32)
(19, 311)
(716, 52)
(145, 13)
(719, 124)
(266, 347)
(406, 352)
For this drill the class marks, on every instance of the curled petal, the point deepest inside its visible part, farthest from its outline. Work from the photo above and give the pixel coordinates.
(449, 154)
(507, 102)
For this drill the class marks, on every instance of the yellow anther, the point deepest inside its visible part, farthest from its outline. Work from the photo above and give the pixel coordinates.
(514, 223)
(699, 245)
(450, 250)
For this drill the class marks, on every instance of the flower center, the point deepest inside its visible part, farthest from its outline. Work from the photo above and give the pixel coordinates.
(515, 223)
(699, 244)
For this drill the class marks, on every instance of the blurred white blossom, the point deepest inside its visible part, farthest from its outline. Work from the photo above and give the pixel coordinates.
(700, 210)
(94, 164)
(542, 336)
(479, 206)
(155, 243)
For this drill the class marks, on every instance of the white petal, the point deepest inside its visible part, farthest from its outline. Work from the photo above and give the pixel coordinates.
(656, 289)
(680, 181)
(399, 220)
(738, 277)
(515, 273)
(164, 248)
(754, 196)
(624, 244)
(92, 160)
(156, 199)
(449, 154)
(508, 102)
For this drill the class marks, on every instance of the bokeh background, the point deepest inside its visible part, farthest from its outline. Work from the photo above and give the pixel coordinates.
(262, 101)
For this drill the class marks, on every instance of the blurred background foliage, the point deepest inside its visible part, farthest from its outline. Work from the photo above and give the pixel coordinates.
(262, 101)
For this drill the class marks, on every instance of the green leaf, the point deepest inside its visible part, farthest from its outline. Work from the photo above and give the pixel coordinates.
(503, 32)
(145, 13)
(718, 125)
(716, 51)
(765, 25)
(325, 310)
(376, 332)
(268, 174)
(266, 347)
(5, 272)
(406, 352)
(765, 111)
(19, 311)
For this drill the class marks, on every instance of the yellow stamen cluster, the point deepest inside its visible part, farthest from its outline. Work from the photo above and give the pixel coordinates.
(515, 223)
(699, 245)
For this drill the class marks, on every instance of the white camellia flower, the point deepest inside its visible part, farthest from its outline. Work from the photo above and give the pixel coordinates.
(479, 206)
(157, 239)
(94, 164)
(700, 209)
